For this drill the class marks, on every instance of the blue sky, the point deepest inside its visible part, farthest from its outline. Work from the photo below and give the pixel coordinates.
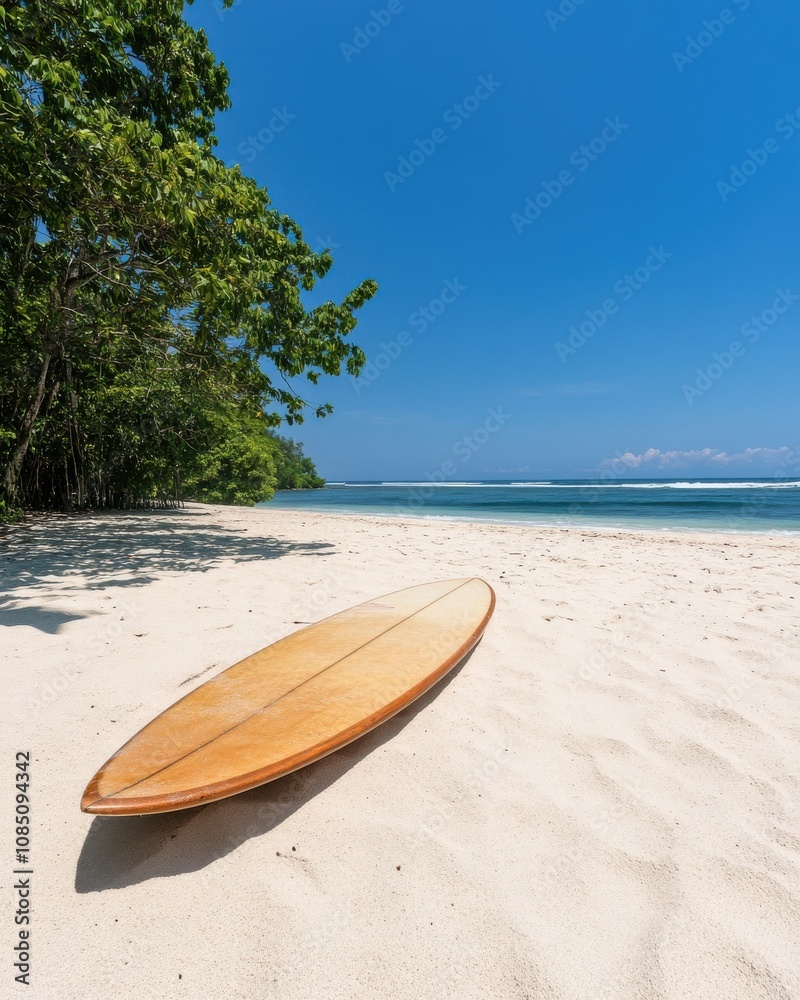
(648, 303)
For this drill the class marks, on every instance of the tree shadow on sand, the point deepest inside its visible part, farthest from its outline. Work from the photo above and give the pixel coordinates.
(123, 851)
(64, 554)
(45, 619)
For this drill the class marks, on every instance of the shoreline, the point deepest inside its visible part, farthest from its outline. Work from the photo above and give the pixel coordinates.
(523, 523)
(33, 518)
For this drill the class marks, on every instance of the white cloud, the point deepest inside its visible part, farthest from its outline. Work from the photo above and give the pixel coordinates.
(711, 458)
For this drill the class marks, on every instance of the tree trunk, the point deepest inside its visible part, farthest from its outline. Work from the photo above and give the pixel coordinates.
(14, 467)
(63, 301)
(74, 436)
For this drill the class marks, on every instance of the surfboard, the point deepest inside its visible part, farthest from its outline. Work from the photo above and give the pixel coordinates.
(295, 701)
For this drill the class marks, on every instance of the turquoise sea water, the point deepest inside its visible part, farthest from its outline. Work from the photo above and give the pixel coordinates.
(709, 504)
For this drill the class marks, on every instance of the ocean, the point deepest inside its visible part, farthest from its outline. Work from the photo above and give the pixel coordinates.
(760, 505)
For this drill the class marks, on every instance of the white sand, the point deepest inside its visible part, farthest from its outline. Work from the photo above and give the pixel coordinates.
(603, 802)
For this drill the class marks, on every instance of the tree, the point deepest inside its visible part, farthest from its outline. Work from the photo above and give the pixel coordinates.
(247, 463)
(239, 468)
(145, 287)
(293, 469)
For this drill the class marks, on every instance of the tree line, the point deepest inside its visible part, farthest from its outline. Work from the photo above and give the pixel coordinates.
(153, 324)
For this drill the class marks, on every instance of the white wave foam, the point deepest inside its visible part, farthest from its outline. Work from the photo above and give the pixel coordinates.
(599, 485)
(430, 483)
(666, 486)
(715, 486)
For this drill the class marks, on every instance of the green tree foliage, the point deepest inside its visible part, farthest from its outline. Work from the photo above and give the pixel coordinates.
(247, 462)
(151, 298)
(293, 469)
(239, 467)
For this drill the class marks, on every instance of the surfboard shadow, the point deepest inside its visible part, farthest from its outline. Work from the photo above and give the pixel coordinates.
(124, 851)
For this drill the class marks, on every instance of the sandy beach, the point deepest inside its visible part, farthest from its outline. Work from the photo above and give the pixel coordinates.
(602, 802)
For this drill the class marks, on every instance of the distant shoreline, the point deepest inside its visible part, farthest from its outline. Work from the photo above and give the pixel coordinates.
(761, 507)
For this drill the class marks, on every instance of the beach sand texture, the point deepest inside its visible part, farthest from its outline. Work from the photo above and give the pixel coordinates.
(602, 802)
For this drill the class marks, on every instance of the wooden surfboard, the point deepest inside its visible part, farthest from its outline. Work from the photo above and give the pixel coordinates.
(294, 701)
